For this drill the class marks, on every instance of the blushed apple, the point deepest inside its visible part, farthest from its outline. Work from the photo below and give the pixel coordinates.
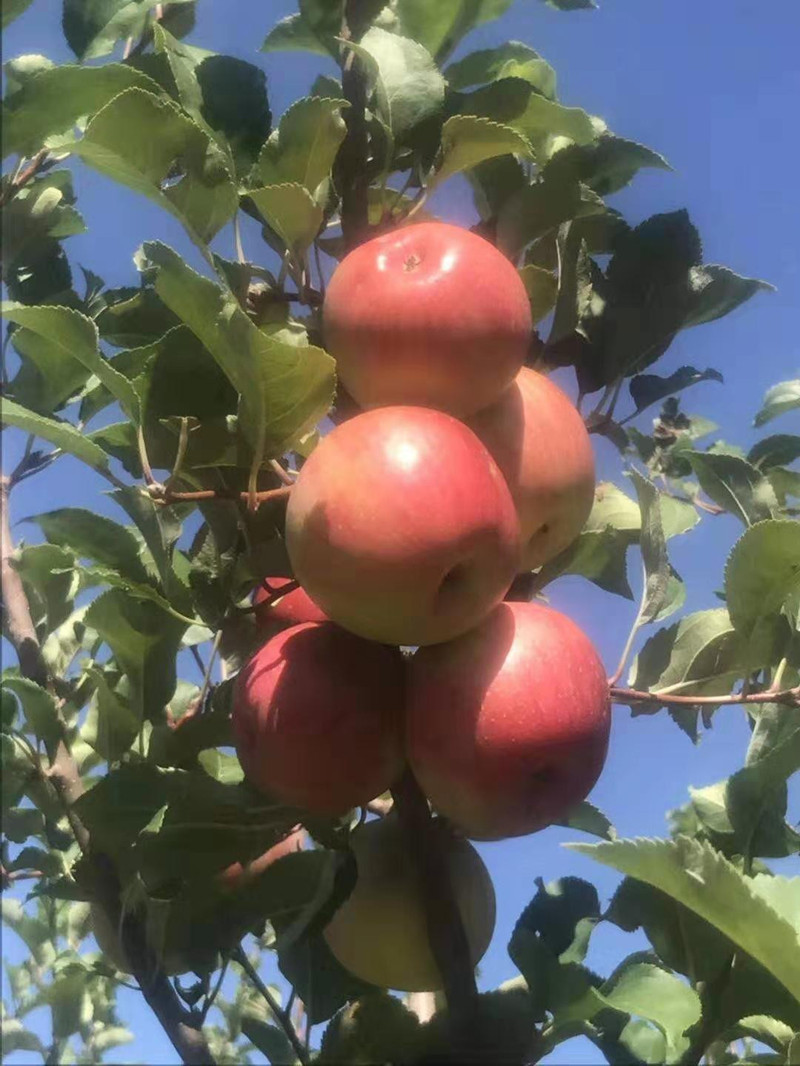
(401, 527)
(292, 609)
(507, 727)
(539, 441)
(429, 314)
(317, 716)
(380, 932)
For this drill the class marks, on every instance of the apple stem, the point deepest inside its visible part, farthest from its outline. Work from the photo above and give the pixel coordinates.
(446, 933)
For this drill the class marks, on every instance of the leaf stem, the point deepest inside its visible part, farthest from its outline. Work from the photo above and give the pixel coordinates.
(280, 1015)
(790, 696)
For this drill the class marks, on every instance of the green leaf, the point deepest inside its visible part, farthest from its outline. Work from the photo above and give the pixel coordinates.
(120, 142)
(92, 29)
(700, 655)
(302, 149)
(224, 768)
(51, 103)
(271, 1041)
(160, 528)
(778, 400)
(762, 577)
(51, 583)
(19, 823)
(12, 9)
(650, 992)
(647, 389)
(93, 536)
(716, 291)
(734, 485)
(375, 1028)
(45, 380)
(761, 1027)
(144, 641)
(778, 450)
(61, 434)
(774, 724)
(743, 908)
(588, 819)
(439, 27)
(572, 5)
(75, 336)
(563, 914)
(293, 34)
(542, 289)
(606, 166)
(654, 550)
(111, 724)
(539, 209)
(468, 141)
(39, 213)
(39, 708)
(510, 60)
(547, 125)
(292, 213)
(285, 390)
(408, 86)
(599, 555)
(12, 1032)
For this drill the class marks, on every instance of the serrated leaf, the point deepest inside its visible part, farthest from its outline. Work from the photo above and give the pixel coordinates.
(716, 291)
(650, 992)
(408, 86)
(12, 1032)
(61, 434)
(589, 819)
(734, 485)
(778, 450)
(222, 767)
(292, 213)
(439, 27)
(654, 550)
(111, 724)
(39, 708)
(293, 34)
(542, 289)
(539, 209)
(762, 576)
(375, 1028)
(75, 336)
(546, 124)
(45, 380)
(698, 876)
(303, 147)
(647, 389)
(51, 102)
(468, 141)
(606, 166)
(285, 390)
(120, 142)
(510, 60)
(778, 400)
(93, 536)
(271, 1041)
(92, 29)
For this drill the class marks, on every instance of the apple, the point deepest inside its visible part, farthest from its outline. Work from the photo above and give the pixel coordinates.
(507, 727)
(237, 876)
(539, 441)
(429, 314)
(401, 527)
(316, 718)
(292, 609)
(380, 932)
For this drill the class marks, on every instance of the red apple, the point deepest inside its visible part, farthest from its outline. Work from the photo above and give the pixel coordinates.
(292, 609)
(507, 727)
(539, 441)
(401, 527)
(380, 932)
(316, 718)
(429, 314)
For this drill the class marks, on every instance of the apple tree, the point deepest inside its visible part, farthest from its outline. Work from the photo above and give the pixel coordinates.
(275, 557)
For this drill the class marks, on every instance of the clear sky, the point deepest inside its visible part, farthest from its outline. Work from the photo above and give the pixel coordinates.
(711, 84)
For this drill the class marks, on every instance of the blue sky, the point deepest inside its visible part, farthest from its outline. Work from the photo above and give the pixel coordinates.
(712, 85)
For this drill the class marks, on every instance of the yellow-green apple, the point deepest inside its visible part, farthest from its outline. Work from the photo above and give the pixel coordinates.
(401, 527)
(317, 716)
(275, 612)
(539, 441)
(429, 314)
(380, 932)
(507, 727)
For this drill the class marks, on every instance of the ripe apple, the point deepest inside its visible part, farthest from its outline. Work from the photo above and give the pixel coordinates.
(429, 314)
(401, 527)
(316, 718)
(292, 609)
(380, 932)
(540, 443)
(507, 727)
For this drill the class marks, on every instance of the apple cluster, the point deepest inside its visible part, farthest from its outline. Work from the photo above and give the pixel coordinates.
(405, 529)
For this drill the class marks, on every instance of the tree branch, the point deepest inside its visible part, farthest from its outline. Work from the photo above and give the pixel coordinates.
(789, 696)
(352, 178)
(448, 938)
(166, 495)
(65, 777)
(281, 1016)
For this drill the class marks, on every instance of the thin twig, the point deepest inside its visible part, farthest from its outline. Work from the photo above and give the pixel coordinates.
(180, 455)
(144, 459)
(201, 699)
(637, 624)
(164, 494)
(789, 696)
(280, 1015)
(209, 1003)
(283, 475)
(24, 176)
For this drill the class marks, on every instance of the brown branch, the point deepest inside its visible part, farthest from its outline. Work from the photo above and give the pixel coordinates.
(352, 178)
(446, 933)
(789, 696)
(65, 777)
(164, 494)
